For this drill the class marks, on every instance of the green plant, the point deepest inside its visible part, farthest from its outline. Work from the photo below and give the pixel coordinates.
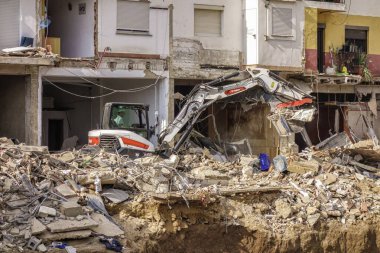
(363, 59)
(367, 75)
(363, 63)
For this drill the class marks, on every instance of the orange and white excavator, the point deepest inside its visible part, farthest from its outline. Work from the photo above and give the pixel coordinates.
(125, 127)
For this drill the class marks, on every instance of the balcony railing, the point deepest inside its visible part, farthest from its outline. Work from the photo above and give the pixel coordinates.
(335, 5)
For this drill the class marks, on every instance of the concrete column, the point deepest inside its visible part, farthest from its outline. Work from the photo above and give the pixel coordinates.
(171, 79)
(33, 106)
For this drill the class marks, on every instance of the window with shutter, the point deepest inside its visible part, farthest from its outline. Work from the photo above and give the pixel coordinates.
(208, 20)
(9, 23)
(282, 22)
(132, 16)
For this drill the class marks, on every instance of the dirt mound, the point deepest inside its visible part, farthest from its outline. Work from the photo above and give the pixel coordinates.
(158, 227)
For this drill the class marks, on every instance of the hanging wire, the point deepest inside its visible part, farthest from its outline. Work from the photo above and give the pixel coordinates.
(103, 95)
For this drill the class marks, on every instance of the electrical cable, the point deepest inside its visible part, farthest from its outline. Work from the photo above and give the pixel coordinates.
(345, 19)
(113, 91)
(77, 95)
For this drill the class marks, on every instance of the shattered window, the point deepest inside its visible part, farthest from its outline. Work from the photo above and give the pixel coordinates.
(132, 16)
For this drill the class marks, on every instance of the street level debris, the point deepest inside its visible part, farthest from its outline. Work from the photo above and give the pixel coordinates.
(50, 198)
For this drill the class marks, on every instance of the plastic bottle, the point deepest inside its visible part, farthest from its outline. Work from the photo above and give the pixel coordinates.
(98, 184)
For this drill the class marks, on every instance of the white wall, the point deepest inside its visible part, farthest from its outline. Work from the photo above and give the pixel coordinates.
(76, 31)
(263, 50)
(364, 7)
(251, 31)
(232, 23)
(28, 20)
(157, 42)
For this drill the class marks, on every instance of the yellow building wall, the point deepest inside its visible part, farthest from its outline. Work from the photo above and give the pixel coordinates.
(311, 27)
(335, 29)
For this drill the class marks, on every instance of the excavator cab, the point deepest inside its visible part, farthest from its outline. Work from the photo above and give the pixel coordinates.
(131, 117)
(125, 129)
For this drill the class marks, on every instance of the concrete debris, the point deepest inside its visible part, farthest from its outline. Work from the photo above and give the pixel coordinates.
(80, 234)
(105, 227)
(115, 195)
(65, 191)
(71, 225)
(51, 197)
(37, 227)
(28, 52)
(71, 209)
(45, 211)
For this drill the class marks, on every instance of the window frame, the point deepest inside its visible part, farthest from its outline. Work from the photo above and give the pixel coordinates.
(129, 31)
(288, 5)
(358, 28)
(220, 9)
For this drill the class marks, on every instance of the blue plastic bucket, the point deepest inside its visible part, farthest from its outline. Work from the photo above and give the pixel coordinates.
(264, 162)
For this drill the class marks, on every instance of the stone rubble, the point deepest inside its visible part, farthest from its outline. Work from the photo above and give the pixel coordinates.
(47, 197)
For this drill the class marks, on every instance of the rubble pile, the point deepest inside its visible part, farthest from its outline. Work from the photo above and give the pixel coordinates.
(318, 185)
(48, 198)
(28, 52)
(41, 203)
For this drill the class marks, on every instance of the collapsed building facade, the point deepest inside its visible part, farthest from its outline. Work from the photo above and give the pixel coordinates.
(95, 55)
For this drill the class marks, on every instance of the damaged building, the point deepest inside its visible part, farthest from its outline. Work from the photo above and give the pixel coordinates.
(62, 61)
(189, 126)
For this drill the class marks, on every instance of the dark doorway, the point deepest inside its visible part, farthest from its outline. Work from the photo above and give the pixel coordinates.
(323, 125)
(320, 47)
(55, 134)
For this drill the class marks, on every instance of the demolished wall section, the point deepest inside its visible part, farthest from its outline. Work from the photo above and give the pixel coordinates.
(192, 61)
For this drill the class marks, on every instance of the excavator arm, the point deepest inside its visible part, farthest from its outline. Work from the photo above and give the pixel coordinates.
(278, 92)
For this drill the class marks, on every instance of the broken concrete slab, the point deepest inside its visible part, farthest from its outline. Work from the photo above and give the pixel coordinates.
(39, 149)
(65, 191)
(105, 226)
(67, 157)
(71, 225)
(302, 167)
(37, 227)
(66, 235)
(16, 202)
(71, 209)
(46, 211)
(115, 195)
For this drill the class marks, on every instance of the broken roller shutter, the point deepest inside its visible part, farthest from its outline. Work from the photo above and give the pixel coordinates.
(282, 22)
(132, 16)
(9, 23)
(208, 22)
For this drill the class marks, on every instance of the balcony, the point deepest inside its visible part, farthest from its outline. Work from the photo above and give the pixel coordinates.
(329, 5)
